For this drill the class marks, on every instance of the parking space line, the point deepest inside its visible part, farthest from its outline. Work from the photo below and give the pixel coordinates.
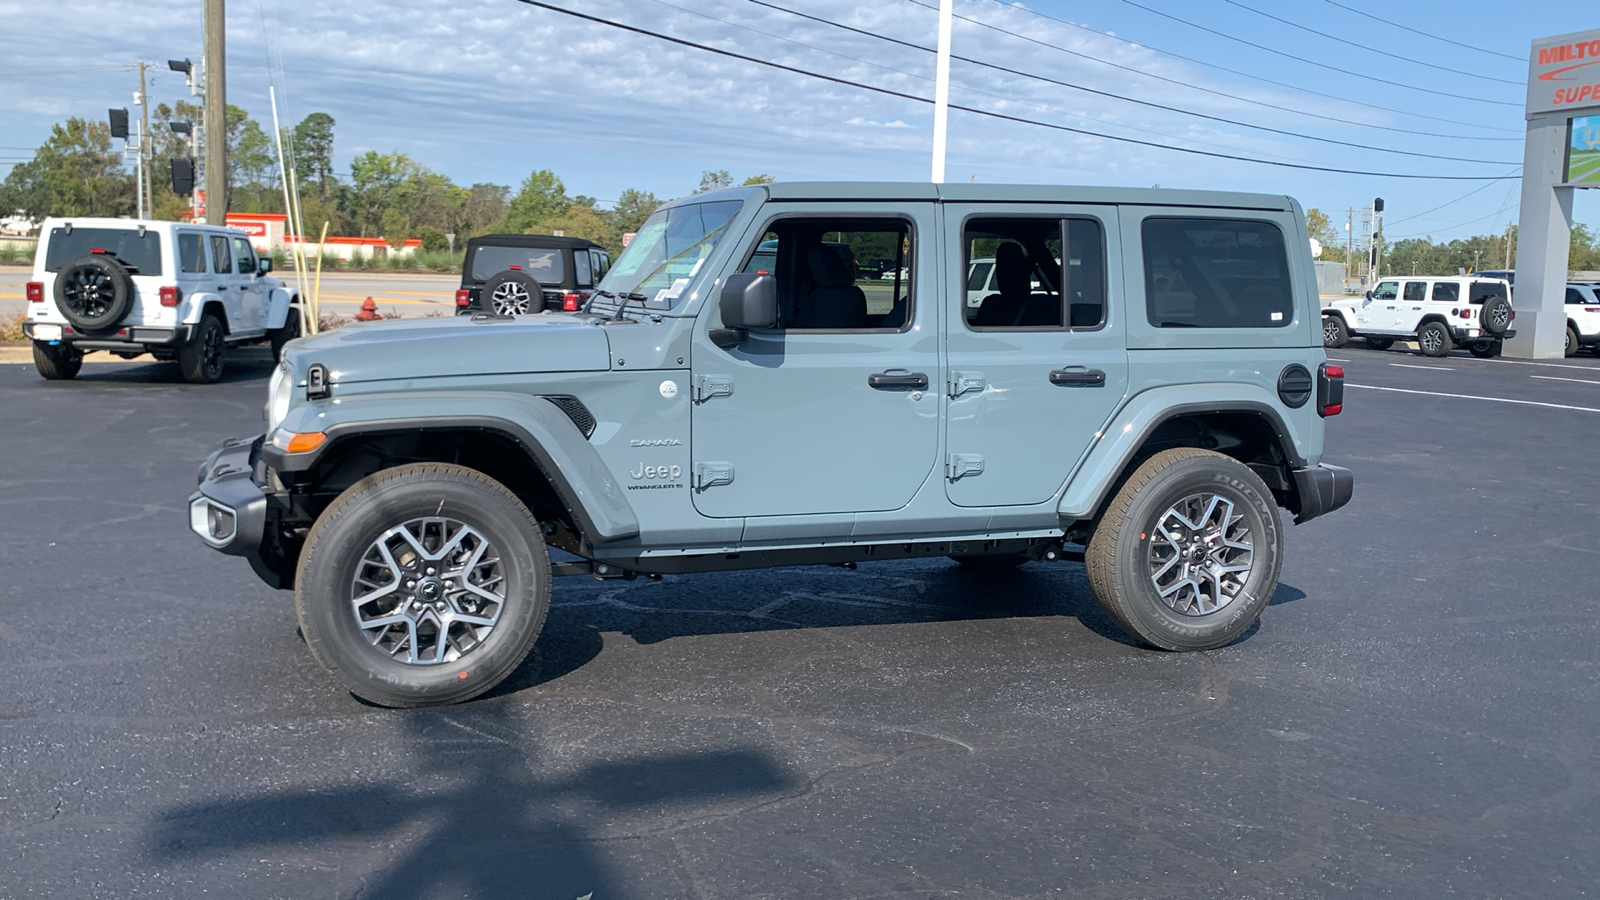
(1335, 359)
(1373, 387)
(1559, 378)
(1428, 368)
(1522, 362)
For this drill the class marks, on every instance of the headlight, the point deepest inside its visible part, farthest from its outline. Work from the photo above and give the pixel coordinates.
(279, 391)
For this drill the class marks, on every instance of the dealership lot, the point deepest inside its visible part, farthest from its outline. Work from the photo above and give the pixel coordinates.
(1415, 714)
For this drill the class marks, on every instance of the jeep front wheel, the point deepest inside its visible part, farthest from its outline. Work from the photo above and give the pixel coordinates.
(1188, 552)
(1334, 332)
(422, 585)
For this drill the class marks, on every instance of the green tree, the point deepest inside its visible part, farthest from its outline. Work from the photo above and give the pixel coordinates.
(73, 173)
(485, 207)
(756, 179)
(542, 196)
(313, 154)
(631, 209)
(582, 222)
(714, 181)
(377, 183)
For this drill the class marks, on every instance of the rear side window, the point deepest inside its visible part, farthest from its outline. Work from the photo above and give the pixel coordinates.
(602, 262)
(1047, 273)
(1216, 273)
(580, 266)
(1416, 291)
(1446, 292)
(140, 253)
(221, 256)
(191, 252)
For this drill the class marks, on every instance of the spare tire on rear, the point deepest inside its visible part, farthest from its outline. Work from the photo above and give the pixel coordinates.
(1495, 317)
(94, 292)
(512, 293)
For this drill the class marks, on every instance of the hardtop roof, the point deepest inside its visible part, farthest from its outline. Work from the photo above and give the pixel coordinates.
(533, 240)
(998, 193)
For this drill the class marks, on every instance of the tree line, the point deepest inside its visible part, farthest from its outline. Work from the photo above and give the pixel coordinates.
(76, 172)
(1424, 256)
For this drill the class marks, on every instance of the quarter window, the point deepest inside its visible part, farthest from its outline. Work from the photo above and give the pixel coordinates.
(822, 282)
(1216, 273)
(1046, 273)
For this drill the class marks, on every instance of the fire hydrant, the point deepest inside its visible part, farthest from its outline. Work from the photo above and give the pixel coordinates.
(369, 311)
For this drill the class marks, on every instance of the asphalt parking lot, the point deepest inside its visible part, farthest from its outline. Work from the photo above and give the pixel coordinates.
(1415, 716)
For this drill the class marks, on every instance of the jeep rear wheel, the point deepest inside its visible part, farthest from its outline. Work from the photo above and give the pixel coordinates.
(56, 362)
(1188, 552)
(1334, 332)
(206, 354)
(1433, 339)
(423, 585)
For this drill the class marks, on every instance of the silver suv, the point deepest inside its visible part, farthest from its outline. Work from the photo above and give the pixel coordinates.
(178, 291)
(1142, 392)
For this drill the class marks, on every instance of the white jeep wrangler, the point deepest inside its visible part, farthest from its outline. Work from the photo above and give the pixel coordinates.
(1437, 312)
(178, 291)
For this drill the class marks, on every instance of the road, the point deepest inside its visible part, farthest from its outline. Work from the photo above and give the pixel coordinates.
(1415, 716)
(407, 295)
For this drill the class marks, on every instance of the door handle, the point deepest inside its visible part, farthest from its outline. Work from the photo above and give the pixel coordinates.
(917, 380)
(1078, 377)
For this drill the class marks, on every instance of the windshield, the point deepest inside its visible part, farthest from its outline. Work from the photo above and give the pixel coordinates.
(668, 251)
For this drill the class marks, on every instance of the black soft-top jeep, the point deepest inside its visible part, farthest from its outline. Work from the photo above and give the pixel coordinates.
(515, 274)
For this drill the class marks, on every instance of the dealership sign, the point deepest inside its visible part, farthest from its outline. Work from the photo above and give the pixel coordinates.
(1564, 73)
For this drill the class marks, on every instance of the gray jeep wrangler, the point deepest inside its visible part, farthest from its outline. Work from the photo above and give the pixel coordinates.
(1142, 392)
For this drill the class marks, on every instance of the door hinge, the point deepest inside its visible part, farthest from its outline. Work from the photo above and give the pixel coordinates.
(711, 474)
(708, 386)
(963, 382)
(963, 464)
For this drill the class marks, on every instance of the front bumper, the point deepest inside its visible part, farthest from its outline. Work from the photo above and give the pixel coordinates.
(1322, 489)
(229, 511)
(127, 337)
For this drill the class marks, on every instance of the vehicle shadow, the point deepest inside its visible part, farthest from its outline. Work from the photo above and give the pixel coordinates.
(924, 591)
(465, 809)
(146, 371)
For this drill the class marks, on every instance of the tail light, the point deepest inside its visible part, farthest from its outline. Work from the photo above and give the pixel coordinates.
(571, 300)
(35, 292)
(171, 296)
(463, 298)
(1330, 390)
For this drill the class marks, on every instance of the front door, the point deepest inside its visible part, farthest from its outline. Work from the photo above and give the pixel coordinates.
(1381, 310)
(837, 409)
(1038, 366)
(255, 294)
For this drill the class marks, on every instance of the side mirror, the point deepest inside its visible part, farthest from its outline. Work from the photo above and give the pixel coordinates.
(1369, 295)
(749, 300)
(264, 265)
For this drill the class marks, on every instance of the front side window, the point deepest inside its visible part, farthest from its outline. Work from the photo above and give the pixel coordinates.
(1386, 290)
(668, 251)
(1446, 292)
(601, 262)
(581, 268)
(245, 255)
(191, 252)
(1216, 273)
(140, 253)
(1416, 291)
(1046, 273)
(221, 256)
(825, 280)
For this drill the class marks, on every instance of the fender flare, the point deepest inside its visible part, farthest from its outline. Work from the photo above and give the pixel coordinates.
(546, 434)
(1087, 489)
(278, 302)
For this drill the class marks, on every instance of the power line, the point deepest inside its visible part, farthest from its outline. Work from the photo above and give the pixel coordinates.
(1425, 34)
(1361, 46)
(1201, 62)
(1443, 205)
(990, 114)
(1312, 62)
(1151, 104)
(1492, 215)
(50, 73)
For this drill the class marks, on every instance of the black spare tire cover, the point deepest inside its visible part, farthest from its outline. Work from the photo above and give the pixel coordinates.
(94, 292)
(1495, 317)
(512, 293)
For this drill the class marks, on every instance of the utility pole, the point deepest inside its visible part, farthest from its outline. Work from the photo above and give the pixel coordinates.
(147, 195)
(1349, 242)
(216, 118)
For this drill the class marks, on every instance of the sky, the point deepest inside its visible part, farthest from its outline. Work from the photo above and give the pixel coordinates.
(490, 90)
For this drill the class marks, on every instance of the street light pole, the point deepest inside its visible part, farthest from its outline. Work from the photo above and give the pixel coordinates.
(941, 89)
(216, 117)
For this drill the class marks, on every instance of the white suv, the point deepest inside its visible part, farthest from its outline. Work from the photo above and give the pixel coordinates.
(1437, 313)
(1583, 317)
(129, 286)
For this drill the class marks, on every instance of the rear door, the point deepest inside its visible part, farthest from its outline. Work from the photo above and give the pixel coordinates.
(1038, 365)
(1411, 307)
(225, 281)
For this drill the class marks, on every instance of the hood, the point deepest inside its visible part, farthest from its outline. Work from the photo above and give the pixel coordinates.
(455, 346)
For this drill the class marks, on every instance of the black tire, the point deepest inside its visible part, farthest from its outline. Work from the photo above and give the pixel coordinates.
(511, 293)
(58, 362)
(278, 337)
(1334, 332)
(1433, 339)
(1495, 317)
(991, 562)
(1572, 340)
(1124, 561)
(1484, 349)
(1380, 343)
(342, 551)
(94, 293)
(206, 354)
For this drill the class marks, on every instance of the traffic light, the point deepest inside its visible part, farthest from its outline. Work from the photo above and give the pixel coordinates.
(1372, 256)
(1377, 205)
(119, 123)
(183, 175)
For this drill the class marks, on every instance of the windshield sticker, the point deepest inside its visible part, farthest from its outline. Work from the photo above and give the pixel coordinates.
(676, 290)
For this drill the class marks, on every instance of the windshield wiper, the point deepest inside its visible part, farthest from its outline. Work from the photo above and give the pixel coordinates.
(590, 302)
(626, 296)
